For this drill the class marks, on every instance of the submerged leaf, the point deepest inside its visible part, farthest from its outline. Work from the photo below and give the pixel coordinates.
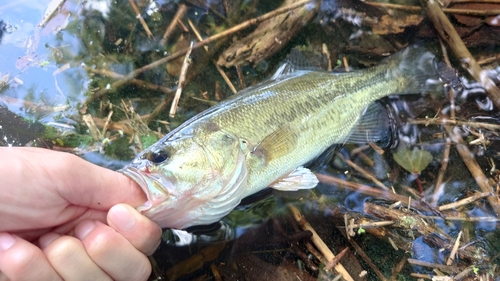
(414, 161)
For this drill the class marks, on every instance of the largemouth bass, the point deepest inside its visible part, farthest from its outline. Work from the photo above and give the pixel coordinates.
(262, 137)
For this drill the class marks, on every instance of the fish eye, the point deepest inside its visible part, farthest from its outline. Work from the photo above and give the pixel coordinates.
(158, 157)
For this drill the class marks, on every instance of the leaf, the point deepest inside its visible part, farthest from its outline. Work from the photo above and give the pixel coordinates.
(414, 161)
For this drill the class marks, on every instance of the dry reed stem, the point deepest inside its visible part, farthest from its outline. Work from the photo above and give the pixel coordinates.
(475, 169)
(445, 121)
(465, 201)
(363, 172)
(224, 76)
(182, 79)
(241, 77)
(207, 41)
(397, 270)
(453, 252)
(137, 82)
(94, 132)
(336, 260)
(105, 127)
(445, 268)
(141, 19)
(222, 73)
(377, 193)
(323, 248)
(417, 9)
(181, 11)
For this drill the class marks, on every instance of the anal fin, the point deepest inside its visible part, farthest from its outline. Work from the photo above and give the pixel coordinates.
(374, 125)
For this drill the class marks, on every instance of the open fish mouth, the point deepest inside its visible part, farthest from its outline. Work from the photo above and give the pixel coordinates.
(156, 189)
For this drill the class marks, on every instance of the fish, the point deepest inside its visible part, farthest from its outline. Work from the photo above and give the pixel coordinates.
(264, 135)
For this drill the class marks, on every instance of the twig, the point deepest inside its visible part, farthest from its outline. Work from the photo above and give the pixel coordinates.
(53, 7)
(196, 33)
(224, 76)
(241, 77)
(453, 252)
(444, 121)
(397, 270)
(182, 78)
(319, 243)
(465, 201)
(367, 225)
(363, 172)
(94, 132)
(465, 273)
(215, 272)
(207, 41)
(489, 60)
(367, 259)
(336, 260)
(105, 127)
(141, 19)
(445, 268)
(416, 9)
(474, 169)
(419, 275)
(415, 204)
(137, 82)
(450, 35)
(181, 11)
(438, 187)
(222, 73)
(458, 218)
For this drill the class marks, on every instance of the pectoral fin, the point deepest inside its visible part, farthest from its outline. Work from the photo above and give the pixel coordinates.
(275, 145)
(300, 178)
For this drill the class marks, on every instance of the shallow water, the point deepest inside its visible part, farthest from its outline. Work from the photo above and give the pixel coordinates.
(47, 74)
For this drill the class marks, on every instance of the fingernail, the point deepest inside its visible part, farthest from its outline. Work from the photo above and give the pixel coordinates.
(121, 218)
(46, 239)
(84, 228)
(6, 241)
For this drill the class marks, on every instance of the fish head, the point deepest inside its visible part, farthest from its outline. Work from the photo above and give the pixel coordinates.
(191, 179)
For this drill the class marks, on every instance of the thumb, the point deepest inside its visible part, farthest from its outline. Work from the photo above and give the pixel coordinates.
(80, 182)
(100, 188)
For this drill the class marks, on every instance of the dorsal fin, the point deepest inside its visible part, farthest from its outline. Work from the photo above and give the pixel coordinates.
(295, 61)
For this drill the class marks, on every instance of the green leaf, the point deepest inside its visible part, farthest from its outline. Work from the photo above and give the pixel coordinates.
(414, 161)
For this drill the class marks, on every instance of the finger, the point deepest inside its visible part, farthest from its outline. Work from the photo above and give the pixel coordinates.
(68, 257)
(21, 260)
(143, 233)
(112, 252)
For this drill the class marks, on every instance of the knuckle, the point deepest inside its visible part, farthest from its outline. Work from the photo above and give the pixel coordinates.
(23, 258)
(100, 241)
(62, 248)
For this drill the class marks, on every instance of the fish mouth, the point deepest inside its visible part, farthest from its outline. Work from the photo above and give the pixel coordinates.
(156, 189)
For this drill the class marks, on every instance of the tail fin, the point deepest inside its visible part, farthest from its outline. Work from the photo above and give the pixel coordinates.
(420, 69)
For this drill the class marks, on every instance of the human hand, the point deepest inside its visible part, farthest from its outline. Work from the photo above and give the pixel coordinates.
(47, 197)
